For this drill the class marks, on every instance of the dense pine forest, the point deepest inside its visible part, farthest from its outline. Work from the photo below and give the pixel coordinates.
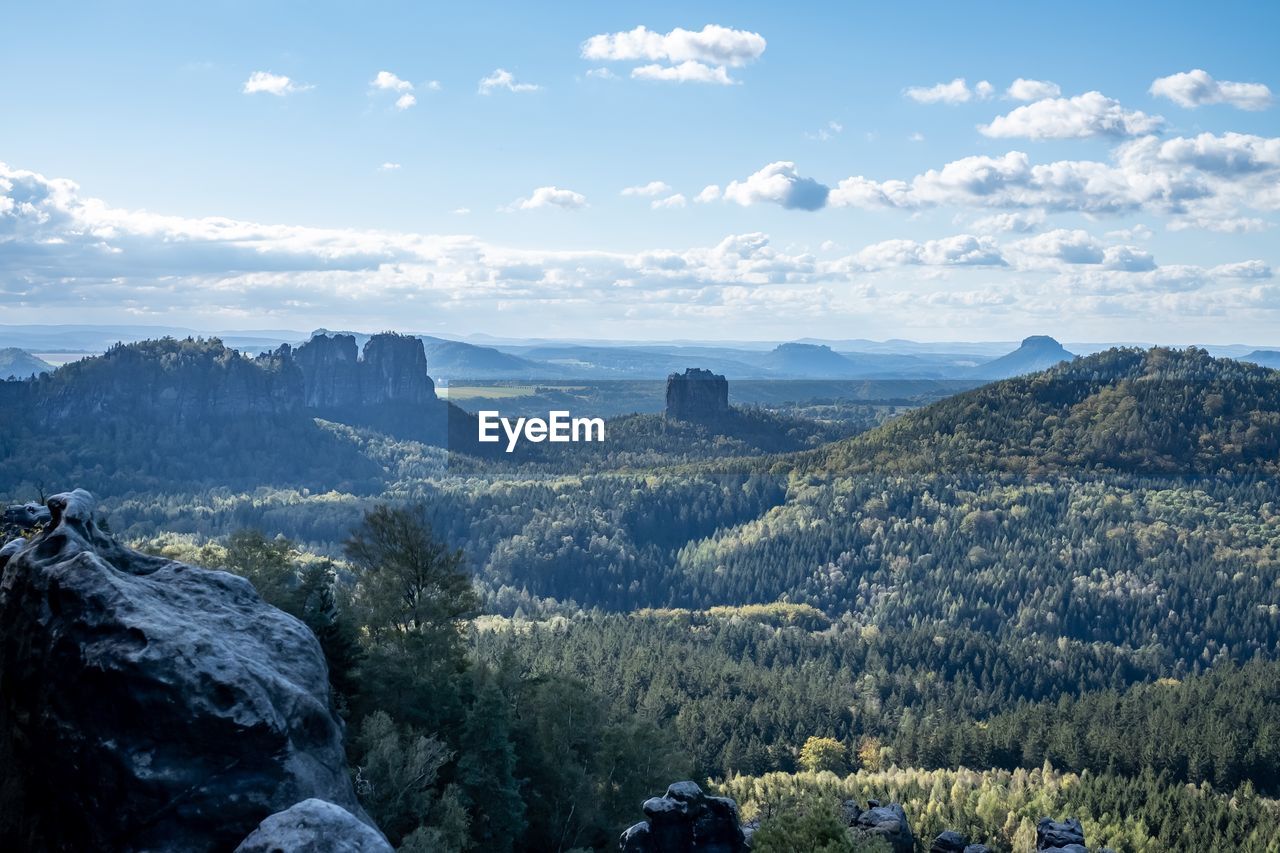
(1055, 594)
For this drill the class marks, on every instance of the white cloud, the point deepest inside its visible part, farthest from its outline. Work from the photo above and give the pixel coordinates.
(1003, 223)
(689, 71)
(1023, 89)
(780, 184)
(462, 211)
(916, 137)
(602, 74)
(66, 254)
(264, 82)
(405, 101)
(391, 83)
(1090, 114)
(683, 56)
(652, 188)
(709, 193)
(1244, 269)
(1197, 88)
(550, 197)
(712, 44)
(388, 167)
(827, 132)
(960, 250)
(1080, 247)
(503, 79)
(676, 200)
(1193, 179)
(432, 85)
(955, 92)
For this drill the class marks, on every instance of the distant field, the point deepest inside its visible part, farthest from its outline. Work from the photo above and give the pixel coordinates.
(469, 392)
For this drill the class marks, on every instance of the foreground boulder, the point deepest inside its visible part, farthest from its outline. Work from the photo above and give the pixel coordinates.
(887, 822)
(1060, 836)
(150, 705)
(316, 827)
(686, 821)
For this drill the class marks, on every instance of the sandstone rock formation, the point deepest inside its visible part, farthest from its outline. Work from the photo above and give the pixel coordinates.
(697, 395)
(335, 377)
(950, 841)
(147, 704)
(887, 822)
(314, 826)
(1060, 836)
(686, 821)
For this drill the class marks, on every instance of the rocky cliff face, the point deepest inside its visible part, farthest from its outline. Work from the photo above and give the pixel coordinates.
(335, 377)
(697, 395)
(150, 705)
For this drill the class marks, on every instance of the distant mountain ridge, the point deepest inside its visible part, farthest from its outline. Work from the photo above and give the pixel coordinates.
(1038, 352)
(21, 364)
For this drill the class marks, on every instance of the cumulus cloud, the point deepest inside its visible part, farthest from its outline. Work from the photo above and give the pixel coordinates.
(709, 193)
(389, 167)
(1090, 114)
(960, 250)
(389, 82)
(602, 74)
(1197, 88)
(1023, 89)
(502, 79)
(688, 71)
(550, 197)
(1244, 269)
(682, 56)
(674, 200)
(385, 81)
(1189, 178)
(712, 44)
(1079, 247)
(780, 184)
(1002, 223)
(63, 249)
(266, 83)
(955, 92)
(650, 189)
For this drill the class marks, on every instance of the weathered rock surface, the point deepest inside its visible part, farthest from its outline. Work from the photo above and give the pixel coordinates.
(335, 377)
(697, 395)
(1060, 836)
(314, 826)
(26, 516)
(686, 820)
(887, 822)
(150, 705)
(949, 841)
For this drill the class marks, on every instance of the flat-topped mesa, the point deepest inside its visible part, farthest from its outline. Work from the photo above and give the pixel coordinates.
(393, 370)
(697, 395)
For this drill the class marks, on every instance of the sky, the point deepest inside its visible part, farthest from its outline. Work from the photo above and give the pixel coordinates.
(934, 171)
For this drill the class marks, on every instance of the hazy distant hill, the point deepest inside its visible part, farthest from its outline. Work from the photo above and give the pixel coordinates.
(21, 364)
(1265, 357)
(1038, 352)
(810, 360)
(457, 360)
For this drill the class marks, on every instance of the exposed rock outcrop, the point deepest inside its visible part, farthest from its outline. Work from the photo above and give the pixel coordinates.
(26, 516)
(335, 377)
(697, 395)
(1060, 836)
(686, 821)
(314, 826)
(146, 704)
(887, 822)
(950, 841)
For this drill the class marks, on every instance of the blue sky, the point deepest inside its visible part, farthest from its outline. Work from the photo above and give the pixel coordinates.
(1146, 211)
